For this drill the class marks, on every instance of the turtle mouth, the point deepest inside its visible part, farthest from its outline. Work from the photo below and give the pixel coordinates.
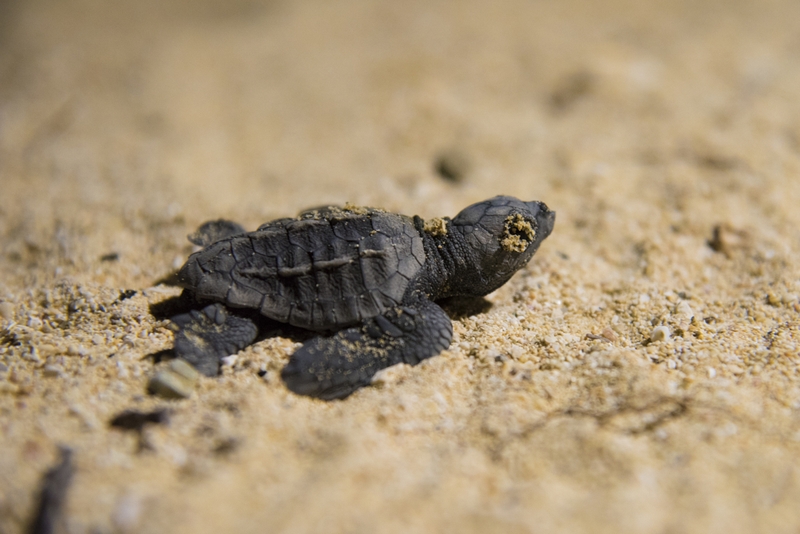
(549, 222)
(545, 219)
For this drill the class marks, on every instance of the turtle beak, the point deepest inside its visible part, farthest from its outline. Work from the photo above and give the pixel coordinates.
(550, 221)
(190, 274)
(545, 217)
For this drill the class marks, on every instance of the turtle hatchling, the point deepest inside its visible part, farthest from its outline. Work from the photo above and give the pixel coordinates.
(365, 280)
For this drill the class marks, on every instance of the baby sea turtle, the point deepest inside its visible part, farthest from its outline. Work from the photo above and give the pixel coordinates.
(369, 276)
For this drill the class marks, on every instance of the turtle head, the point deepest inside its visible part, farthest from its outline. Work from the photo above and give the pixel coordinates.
(502, 234)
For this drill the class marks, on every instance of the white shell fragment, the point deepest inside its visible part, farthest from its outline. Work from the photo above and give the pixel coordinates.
(176, 381)
(684, 309)
(659, 333)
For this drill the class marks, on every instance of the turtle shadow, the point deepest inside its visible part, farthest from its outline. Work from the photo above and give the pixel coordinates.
(463, 307)
(173, 306)
(169, 279)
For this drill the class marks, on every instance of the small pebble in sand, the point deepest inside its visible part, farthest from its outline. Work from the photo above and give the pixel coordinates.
(659, 333)
(75, 350)
(452, 165)
(136, 420)
(609, 334)
(176, 381)
(32, 356)
(726, 239)
(11, 389)
(53, 371)
(229, 361)
(391, 375)
(684, 309)
(6, 310)
(127, 512)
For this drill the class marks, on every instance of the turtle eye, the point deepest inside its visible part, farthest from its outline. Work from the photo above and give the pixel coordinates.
(518, 233)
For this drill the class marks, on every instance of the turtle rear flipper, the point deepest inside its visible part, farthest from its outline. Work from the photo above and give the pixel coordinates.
(206, 336)
(333, 367)
(213, 231)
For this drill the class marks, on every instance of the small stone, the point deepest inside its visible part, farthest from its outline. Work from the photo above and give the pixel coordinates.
(52, 371)
(726, 239)
(6, 310)
(76, 350)
(516, 351)
(659, 333)
(122, 371)
(125, 294)
(136, 420)
(184, 369)
(87, 418)
(229, 361)
(127, 512)
(391, 375)
(609, 334)
(32, 356)
(46, 349)
(7, 387)
(176, 381)
(772, 299)
(735, 369)
(684, 309)
(712, 372)
(452, 165)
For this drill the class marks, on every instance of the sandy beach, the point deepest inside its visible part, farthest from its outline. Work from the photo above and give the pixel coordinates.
(641, 374)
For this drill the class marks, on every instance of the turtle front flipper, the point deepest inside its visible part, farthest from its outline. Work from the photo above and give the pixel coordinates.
(334, 367)
(206, 336)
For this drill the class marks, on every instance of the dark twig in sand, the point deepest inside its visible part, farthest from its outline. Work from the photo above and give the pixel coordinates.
(52, 495)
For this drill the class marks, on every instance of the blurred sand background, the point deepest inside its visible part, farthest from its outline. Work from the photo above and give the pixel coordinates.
(645, 125)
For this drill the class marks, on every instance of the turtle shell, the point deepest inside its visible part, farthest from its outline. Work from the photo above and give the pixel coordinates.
(326, 269)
